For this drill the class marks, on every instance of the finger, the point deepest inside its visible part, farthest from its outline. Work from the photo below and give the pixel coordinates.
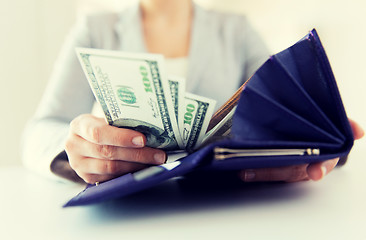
(144, 155)
(317, 171)
(104, 167)
(357, 130)
(96, 130)
(94, 178)
(282, 174)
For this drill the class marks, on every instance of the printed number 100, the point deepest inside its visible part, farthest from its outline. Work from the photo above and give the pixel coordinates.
(189, 114)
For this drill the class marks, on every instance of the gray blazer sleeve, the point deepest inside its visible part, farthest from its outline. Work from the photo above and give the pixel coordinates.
(254, 51)
(66, 96)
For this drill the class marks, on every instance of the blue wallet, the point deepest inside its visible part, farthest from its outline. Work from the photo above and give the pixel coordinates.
(290, 110)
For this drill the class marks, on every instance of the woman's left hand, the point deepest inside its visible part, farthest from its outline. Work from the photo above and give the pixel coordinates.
(314, 171)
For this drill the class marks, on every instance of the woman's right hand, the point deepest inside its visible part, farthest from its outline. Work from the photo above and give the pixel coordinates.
(98, 152)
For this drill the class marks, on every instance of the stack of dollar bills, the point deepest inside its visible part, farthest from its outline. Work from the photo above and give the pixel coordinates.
(135, 92)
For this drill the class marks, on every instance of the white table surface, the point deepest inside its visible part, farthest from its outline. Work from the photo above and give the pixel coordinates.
(334, 208)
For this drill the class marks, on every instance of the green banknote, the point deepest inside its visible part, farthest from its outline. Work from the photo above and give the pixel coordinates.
(134, 93)
(198, 111)
(177, 87)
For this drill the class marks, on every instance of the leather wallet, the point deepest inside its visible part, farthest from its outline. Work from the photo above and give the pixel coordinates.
(290, 112)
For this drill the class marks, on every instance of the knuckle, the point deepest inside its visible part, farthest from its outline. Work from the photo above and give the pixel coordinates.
(107, 151)
(76, 121)
(69, 145)
(74, 164)
(111, 167)
(95, 132)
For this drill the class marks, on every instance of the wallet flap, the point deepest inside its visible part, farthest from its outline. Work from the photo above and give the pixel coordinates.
(138, 181)
(293, 98)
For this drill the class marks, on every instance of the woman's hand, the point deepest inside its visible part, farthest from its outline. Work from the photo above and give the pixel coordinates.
(314, 171)
(99, 152)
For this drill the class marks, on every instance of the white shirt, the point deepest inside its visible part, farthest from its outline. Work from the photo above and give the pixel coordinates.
(177, 67)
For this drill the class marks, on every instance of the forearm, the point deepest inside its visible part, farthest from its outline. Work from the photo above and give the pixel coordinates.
(43, 141)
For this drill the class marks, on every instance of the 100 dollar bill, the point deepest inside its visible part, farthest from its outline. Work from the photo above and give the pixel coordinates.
(198, 111)
(177, 87)
(133, 92)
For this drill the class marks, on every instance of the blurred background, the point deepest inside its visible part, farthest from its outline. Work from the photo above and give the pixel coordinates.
(32, 32)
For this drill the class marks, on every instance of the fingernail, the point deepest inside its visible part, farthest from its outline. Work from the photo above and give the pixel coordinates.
(249, 175)
(138, 141)
(159, 158)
